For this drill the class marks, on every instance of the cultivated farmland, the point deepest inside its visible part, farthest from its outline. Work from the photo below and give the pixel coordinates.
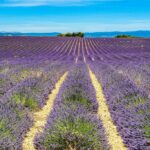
(59, 93)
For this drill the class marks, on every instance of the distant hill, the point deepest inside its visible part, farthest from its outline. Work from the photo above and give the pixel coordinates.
(28, 34)
(144, 34)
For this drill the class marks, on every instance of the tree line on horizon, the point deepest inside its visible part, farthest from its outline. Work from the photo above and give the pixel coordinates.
(125, 36)
(74, 34)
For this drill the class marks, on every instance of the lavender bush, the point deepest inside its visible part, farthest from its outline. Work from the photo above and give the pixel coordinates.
(126, 103)
(73, 122)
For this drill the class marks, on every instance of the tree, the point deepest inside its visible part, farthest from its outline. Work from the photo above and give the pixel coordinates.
(77, 34)
(124, 36)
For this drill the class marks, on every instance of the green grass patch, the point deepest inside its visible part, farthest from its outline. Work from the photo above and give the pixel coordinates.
(2, 82)
(79, 99)
(144, 111)
(27, 101)
(24, 73)
(20, 113)
(147, 131)
(135, 100)
(70, 134)
(5, 131)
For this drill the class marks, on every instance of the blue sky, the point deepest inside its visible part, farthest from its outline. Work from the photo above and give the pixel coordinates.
(74, 15)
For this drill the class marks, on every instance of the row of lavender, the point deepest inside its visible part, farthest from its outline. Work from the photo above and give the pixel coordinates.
(138, 72)
(55, 48)
(73, 123)
(128, 103)
(25, 85)
(24, 88)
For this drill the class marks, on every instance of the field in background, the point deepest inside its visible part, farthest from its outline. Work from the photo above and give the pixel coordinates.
(79, 86)
(144, 34)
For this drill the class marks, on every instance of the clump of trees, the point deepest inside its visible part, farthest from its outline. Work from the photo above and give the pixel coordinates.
(124, 36)
(74, 34)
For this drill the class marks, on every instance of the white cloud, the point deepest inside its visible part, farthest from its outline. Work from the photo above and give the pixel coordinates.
(76, 26)
(28, 3)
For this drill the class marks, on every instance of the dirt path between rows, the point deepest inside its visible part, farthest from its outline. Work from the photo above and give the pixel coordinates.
(41, 116)
(112, 134)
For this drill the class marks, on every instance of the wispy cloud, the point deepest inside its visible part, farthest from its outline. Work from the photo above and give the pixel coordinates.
(74, 27)
(29, 3)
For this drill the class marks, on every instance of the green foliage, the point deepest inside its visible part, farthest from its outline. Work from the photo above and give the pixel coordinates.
(25, 100)
(146, 125)
(77, 34)
(20, 114)
(2, 82)
(134, 100)
(73, 134)
(147, 131)
(143, 111)
(79, 99)
(124, 36)
(5, 131)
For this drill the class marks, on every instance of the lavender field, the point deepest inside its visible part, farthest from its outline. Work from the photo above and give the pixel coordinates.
(59, 93)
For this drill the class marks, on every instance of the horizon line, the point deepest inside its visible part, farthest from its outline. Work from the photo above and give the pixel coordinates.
(78, 31)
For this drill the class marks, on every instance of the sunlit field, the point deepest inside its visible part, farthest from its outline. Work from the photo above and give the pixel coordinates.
(59, 93)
